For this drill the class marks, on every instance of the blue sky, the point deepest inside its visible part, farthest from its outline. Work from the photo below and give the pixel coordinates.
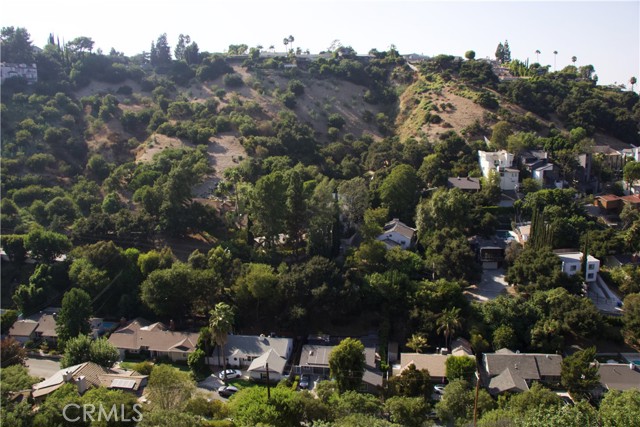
(604, 34)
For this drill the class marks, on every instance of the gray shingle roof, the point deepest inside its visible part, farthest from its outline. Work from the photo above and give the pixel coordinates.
(619, 376)
(528, 366)
(507, 380)
(272, 358)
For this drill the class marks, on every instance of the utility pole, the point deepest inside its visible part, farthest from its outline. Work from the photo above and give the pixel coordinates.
(475, 402)
(268, 384)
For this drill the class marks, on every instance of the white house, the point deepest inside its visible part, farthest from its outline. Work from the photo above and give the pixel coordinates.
(270, 365)
(396, 233)
(241, 350)
(572, 262)
(502, 163)
(29, 72)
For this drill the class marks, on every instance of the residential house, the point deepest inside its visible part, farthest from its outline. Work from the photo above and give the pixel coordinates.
(506, 371)
(89, 375)
(502, 163)
(241, 350)
(9, 70)
(435, 363)
(609, 202)
(141, 336)
(466, 184)
(611, 157)
(314, 360)
(632, 200)
(23, 330)
(618, 376)
(536, 162)
(396, 233)
(39, 326)
(572, 264)
(270, 366)
(489, 251)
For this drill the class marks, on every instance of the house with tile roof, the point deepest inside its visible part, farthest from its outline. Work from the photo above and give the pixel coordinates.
(505, 370)
(396, 233)
(141, 336)
(90, 375)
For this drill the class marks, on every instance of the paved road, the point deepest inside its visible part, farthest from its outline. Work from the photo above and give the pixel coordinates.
(42, 368)
(491, 285)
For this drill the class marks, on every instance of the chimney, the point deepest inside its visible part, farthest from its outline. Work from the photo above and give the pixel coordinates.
(81, 382)
(172, 325)
(123, 321)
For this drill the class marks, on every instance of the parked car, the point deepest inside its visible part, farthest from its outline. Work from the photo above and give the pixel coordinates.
(304, 382)
(227, 390)
(439, 388)
(231, 373)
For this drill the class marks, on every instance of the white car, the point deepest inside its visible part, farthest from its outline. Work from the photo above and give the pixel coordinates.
(231, 373)
(439, 389)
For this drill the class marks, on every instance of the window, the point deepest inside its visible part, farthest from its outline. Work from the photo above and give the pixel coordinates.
(590, 276)
(573, 268)
(592, 266)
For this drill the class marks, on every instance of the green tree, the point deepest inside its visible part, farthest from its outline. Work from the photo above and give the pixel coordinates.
(631, 173)
(73, 319)
(537, 397)
(406, 411)
(221, 324)
(87, 276)
(470, 55)
(499, 136)
(504, 337)
(448, 255)
(445, 209)
(460, 367)
(353, 198)
(46, 245)
(448, 323)
(13, 244)
(346, 363)
(417, 343)
(411, 382)
(197, 363)
(457, 404)
(172, 291)
(84, 349)
(579, 374)
(169, 388)
(256, 284)
(374, 220)
(631, 318)
(16, 377)
(620, 408)
(398, 192)
(16, 45)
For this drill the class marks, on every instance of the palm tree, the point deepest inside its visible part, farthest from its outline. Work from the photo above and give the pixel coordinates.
(286, 42)
(220, 323)
(417, 342)
(291, 39)
(574, 59)
(272, 48)
(633, 81)
(448, 322)
(555, 54)
(538, 56)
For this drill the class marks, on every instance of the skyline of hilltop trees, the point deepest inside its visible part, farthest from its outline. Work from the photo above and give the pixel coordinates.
(110, 159)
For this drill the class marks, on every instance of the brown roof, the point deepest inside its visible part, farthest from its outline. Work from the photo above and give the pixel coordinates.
(23, 328)
(47, 326)
(608, 197)
(619, 376)
(633, 198)
(434, 363)
(139, 333)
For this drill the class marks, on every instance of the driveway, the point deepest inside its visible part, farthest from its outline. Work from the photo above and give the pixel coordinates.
(491, 285)
(43, 368)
